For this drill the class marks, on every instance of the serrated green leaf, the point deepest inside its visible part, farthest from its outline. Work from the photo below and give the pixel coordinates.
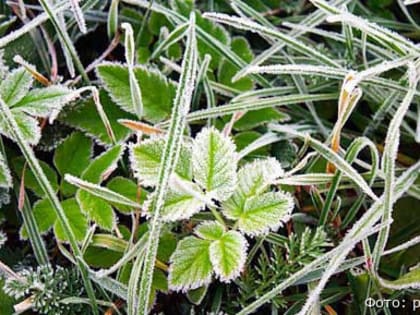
(146, 158)
(84, 117)
(72, 157)
(158, 92)
(214, 163)
(5, 177)
(103, 165)
(190, 265)
(97, 209)
(42, 102)
(30, 179)
(227, 70)
(228, 255)
(27, 125)
(177, 206)
(78, 222)
(211, 230)
(253, 179)
(262, 213)
(15, 86)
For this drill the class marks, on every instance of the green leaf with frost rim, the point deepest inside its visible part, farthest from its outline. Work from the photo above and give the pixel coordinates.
(214, 163)
(15, 86)
(228, 255)
(27, 125)
(195, 259)
(253, 178)
(97, 209)
(157, 91)
(84, 116)
(177, 206)
(190, 265)
(42, 102)
(103, 165)
(262, 213)
(210, 230)
(146, 158)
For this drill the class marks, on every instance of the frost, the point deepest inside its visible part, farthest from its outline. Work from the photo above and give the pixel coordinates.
(228, 255)
(214, 163)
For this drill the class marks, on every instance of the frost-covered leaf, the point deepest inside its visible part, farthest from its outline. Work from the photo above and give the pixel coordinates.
(262, 213)
(78, 222)
(253, 178)
(210, 230)
(177, 205)
(195, 259)
(15, 86)
(190, 265)
(103, 165)
(214, 163)
(97, 209)
(43, 102)
(146, 157)
(27, 125)
(228, 255)
(157, 91)
(5, 177)
(84, 116)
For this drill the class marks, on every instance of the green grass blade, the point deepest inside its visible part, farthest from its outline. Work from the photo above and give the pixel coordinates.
(169, 158)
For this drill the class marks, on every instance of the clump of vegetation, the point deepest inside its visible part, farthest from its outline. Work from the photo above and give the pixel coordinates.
(196, 157)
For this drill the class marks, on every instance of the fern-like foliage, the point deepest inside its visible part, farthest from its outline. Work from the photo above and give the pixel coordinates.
(281, 261)
(46, 288)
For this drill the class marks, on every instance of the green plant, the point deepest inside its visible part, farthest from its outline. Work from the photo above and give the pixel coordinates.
(208, 156)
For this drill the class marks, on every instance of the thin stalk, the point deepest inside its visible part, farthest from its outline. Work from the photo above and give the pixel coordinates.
(65, 38)
(33, 163)
(40, 251)
(170, 156)
(388, 162)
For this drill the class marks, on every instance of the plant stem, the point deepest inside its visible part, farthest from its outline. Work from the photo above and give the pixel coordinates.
(14, 130)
